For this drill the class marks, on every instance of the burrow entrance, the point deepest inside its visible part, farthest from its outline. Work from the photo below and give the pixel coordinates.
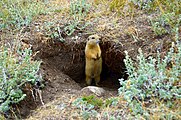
(63, 66)
(69, 58)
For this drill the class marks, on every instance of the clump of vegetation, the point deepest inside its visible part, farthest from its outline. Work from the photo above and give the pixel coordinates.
(93, 100)
(78, 10)
(152, 79)
(111, 102)
(54, 31)
(123, 6)
(86, 109)
(18, 13)
(157, 27)
(169, 19)
(169, 11)
(90, 105)
(16, 71)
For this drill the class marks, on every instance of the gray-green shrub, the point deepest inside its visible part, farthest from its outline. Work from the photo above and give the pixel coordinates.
(16, 70)
(86, 109)
(152, 78)
(78, 10)
(18, 13)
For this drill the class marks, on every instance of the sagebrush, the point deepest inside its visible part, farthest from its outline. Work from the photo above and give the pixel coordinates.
(78, 11)
(16, 70)
(152, 78)
(18, 13)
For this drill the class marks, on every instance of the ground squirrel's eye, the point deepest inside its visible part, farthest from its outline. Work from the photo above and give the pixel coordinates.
(93, 37)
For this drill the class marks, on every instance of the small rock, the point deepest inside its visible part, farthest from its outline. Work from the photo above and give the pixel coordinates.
(93, 89)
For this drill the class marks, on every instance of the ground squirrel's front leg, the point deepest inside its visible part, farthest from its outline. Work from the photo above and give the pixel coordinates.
(88, 80)
(97, 80)
(98, 56)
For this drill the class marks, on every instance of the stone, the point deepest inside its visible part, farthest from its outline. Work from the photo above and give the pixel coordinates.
(98, 91)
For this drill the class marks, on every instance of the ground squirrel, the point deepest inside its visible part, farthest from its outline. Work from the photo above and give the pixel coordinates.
(93, 57)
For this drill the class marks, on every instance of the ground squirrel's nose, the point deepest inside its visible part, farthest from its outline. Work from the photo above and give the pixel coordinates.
(97, 41)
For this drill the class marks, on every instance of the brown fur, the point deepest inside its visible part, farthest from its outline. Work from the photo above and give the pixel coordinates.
(93, 60)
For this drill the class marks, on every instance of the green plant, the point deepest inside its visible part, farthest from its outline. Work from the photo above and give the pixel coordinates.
(169, 12)
(97, 102)
(100, 103)
(78, 11)
(143, 4)
(18, 13)
(166, 23)
(53, 31)
(87, 109)
(169, 19)
(111, 102)
(152, 78)
(158, 28)
(16, 70)
(79, 8)
(119, 5)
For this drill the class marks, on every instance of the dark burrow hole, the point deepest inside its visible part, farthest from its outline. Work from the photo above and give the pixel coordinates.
(70, 59)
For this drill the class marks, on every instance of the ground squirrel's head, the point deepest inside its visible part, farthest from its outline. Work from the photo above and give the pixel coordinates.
(93, 40)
